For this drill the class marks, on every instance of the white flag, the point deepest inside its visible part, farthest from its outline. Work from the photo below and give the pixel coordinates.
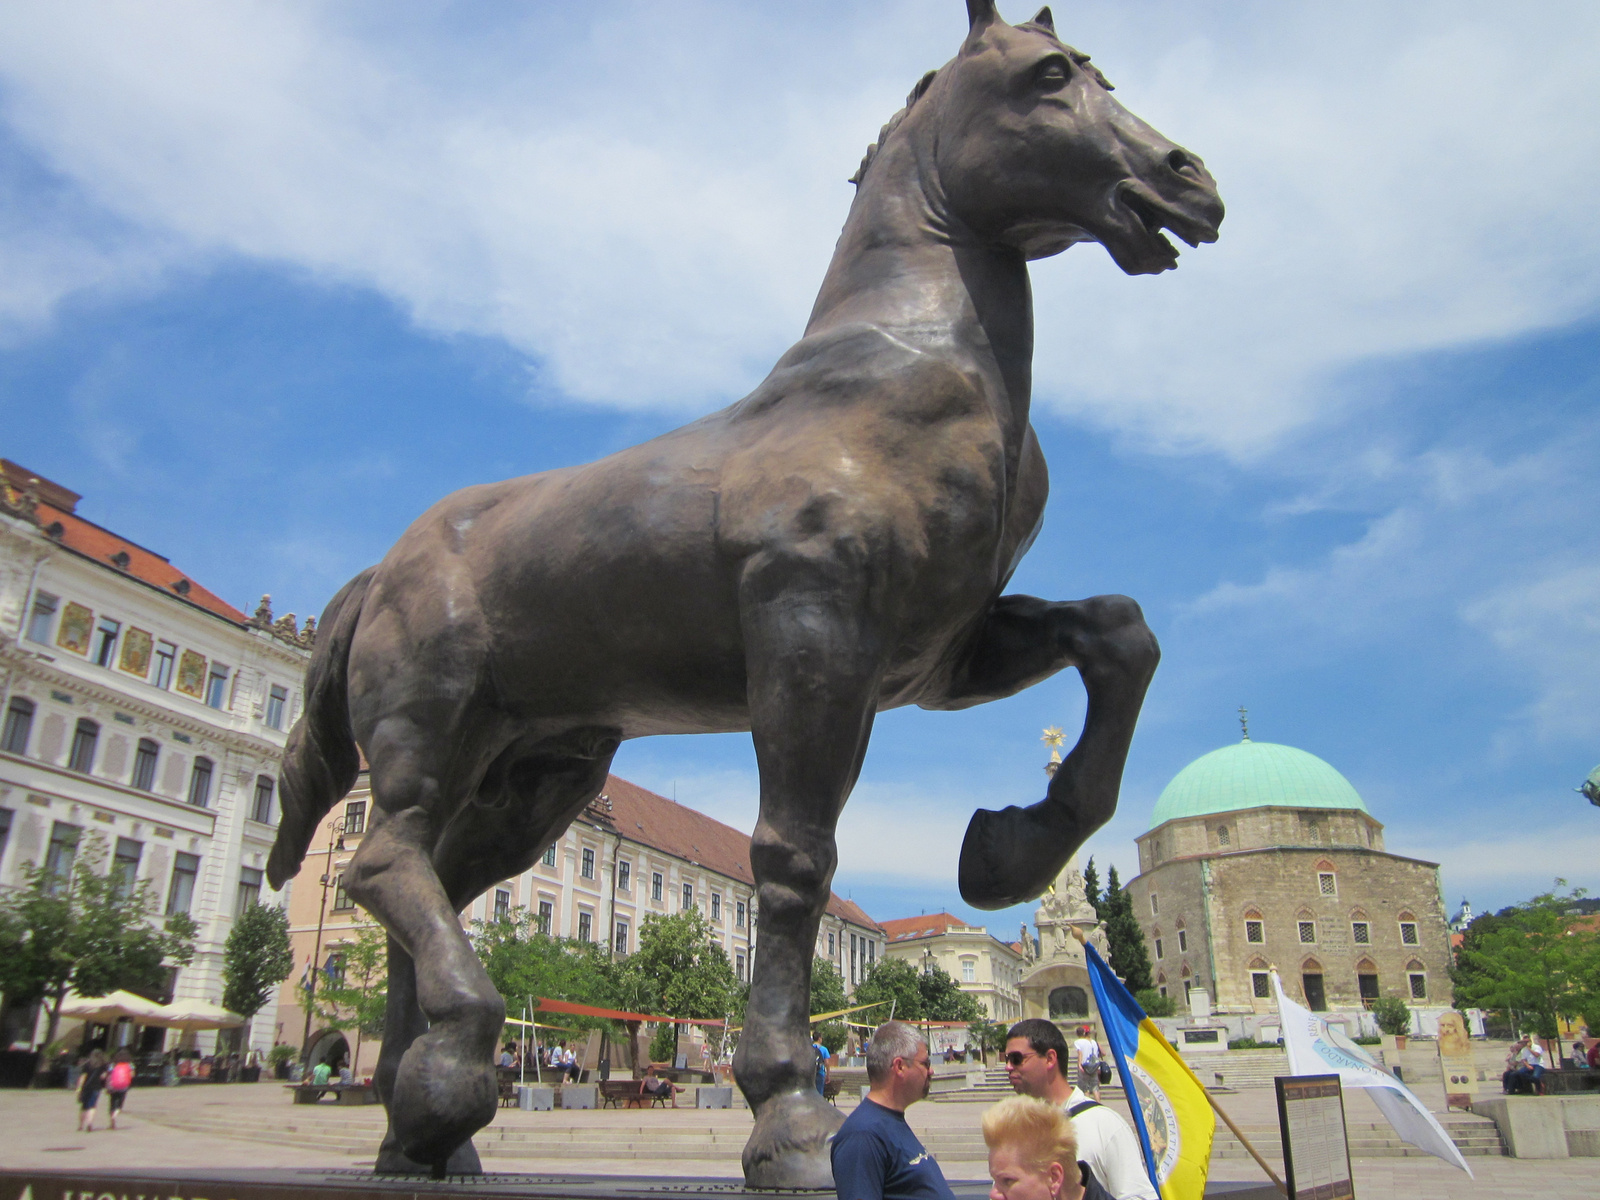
(1315, 1048)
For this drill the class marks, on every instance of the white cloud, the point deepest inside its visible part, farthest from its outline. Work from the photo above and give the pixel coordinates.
(1550, 628)
(1514, 865)
(646, 199)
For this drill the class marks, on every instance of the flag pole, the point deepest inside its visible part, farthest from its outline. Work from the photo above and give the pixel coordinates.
(1244, 1141)
(1217, 1108)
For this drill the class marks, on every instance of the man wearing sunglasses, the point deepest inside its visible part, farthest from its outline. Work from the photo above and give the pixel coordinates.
(875, 1154)
(1037, 1062)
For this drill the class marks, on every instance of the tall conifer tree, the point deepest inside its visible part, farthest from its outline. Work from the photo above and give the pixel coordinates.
(1129, 958)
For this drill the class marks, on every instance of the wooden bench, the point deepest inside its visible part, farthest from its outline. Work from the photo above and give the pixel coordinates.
(343, 1093)
(628, 1093)
(831, 1089)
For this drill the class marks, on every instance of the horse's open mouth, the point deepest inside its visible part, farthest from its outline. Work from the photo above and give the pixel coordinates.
(1153, 216)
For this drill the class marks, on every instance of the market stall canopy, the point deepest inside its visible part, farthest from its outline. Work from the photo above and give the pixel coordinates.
(195, 1014)
(113, 1006)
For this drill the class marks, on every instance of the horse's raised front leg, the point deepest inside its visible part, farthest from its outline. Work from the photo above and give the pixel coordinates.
(1013, 855)
(443, 1089)
(812, 686)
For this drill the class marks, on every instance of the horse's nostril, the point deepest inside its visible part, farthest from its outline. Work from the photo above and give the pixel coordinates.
(1183, 163)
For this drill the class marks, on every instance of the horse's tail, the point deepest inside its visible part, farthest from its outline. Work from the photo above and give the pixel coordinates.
(321, 761)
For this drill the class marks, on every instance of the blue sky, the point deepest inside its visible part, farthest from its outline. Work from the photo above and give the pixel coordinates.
(275, 277)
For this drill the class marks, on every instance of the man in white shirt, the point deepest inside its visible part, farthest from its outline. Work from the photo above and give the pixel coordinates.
(1037, 1062)
(1087, 1051)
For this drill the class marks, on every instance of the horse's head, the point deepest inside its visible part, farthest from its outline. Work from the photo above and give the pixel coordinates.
(1032, 151)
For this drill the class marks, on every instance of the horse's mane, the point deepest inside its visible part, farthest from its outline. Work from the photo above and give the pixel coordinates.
(1040, 24)
(893, 123)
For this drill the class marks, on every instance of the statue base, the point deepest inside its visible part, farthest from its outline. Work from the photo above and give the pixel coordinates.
(350, 1184)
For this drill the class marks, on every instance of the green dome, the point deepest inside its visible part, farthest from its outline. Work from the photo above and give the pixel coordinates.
(1253, 775)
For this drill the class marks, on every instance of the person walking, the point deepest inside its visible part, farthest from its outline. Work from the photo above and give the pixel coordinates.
(823, 1056)
(1087, 1052)
(875, 1154)
(118, 1080)
(90, 1084)
(1036, 1065)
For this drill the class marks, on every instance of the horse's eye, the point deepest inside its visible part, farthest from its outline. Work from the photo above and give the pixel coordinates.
(1053, 74)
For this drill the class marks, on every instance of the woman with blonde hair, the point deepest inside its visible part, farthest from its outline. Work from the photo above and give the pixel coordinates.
(1033, 1154)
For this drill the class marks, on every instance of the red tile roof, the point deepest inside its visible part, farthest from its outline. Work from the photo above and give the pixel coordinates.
(57, 516)
(905, 929)
(642, 816)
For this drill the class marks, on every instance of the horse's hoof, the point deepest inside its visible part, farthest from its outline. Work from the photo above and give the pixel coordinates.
(441, 1098)
(788, 1148)
(393, 1161)
(1009, 857)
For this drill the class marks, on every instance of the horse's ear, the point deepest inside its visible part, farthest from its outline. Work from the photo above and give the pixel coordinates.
(981, 13)
(1044, 17)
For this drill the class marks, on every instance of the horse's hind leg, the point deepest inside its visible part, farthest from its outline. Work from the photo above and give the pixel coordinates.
(403, 1023)
(444, 1088)
(1013, 855)
(527, 798)
(813, 691)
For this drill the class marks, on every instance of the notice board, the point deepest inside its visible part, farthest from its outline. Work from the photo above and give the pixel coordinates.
(1316, 1153)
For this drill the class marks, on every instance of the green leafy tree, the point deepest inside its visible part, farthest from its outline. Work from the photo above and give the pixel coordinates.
(1091, 885)
(1531, 961)
(943, 999)
(1392, 1015)
(989, 1036)
(894, 982)
(255, 959)
(691, 969)
(1129, 958)
(1154, 1003)
(90, 932)
(827, 995)
(525, 963)
(358, 994)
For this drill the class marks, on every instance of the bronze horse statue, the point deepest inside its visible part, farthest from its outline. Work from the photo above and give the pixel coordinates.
(832, 545)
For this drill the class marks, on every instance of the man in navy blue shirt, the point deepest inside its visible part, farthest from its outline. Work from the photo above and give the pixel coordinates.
(875, 1154)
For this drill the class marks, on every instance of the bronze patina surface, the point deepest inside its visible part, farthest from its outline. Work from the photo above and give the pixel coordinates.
(832, 545)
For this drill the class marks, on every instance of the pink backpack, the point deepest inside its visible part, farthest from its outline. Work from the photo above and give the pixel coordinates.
(121, 1077)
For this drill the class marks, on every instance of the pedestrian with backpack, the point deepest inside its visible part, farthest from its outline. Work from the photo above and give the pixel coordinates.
(118, 1080)
(90, 1084)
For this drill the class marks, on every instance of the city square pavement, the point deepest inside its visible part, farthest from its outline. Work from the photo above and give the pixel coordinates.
(230, 1126)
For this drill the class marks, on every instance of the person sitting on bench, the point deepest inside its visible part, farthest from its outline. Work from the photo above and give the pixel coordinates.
(653, 1085)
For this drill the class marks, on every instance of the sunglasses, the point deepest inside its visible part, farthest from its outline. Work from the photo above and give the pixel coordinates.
(1017, 1057)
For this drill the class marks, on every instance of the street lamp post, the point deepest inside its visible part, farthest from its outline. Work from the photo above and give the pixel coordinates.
(335, 842)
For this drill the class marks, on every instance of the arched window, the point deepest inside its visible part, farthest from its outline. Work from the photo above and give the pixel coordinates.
(1254, 928)
(261, 808)
(19, 724)
(1417, 977)
(1183, 938)
(1311, 985)
(1068, 1002)
(1306, 927)
(144, 765)
(1408, 929)
(1224, 838)
(84, 740)
(200, 783)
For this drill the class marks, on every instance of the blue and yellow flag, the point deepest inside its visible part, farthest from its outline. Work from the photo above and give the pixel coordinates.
(1170, 1111)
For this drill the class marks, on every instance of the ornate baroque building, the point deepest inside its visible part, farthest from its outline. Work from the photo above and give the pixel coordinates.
(982, 965)
(142, 712)
(1055, 981)
(1262, 856)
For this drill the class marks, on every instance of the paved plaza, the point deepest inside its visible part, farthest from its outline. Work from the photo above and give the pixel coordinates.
(254, 1125)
